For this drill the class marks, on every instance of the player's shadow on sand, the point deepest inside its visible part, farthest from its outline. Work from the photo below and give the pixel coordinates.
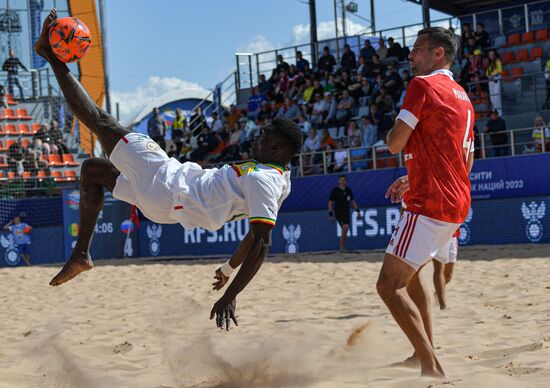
(342, 317)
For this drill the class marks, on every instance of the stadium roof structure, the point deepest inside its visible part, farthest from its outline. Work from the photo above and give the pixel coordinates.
(463, 7)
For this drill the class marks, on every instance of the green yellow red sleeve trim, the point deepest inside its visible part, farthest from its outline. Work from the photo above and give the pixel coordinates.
(263, 220)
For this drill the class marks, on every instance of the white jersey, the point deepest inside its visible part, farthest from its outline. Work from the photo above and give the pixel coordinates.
(209, 198)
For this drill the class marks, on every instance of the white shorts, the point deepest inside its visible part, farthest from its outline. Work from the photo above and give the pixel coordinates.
(419, 239)
(452, 251)
(145, 176)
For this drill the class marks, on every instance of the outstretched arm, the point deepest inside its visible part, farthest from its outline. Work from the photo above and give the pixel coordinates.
(108, 130)
(235, 261)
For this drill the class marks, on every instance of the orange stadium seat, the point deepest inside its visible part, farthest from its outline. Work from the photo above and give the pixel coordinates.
(25, 143)
(57, 176)
(527, 37)
(68, 159)
(9, 143)
(11, 129)
(11, 175)
(513, 39)
(41, 174)
(505, 73)
(517, 71)
(55, 160)
(541, 35)
(9, 114)
(508, 57)
(27, 175)
(23, 115)
(35, 127)
(70, 175)
(3, 163)
(522, 55)
(2, 175)
(24, 129)
(536, 52)
(10, 100)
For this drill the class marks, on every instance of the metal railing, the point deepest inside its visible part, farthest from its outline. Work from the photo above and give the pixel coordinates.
(522, 141)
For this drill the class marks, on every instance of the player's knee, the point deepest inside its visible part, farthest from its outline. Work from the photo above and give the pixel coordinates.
(384, 288)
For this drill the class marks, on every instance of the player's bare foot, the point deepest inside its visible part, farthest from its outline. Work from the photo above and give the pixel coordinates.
(411, 362)
(77, 263)
(42, 45)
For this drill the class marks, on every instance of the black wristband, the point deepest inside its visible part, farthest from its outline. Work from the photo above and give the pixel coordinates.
(330, 214)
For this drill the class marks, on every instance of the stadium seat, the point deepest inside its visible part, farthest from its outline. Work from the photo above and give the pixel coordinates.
(505, 73)
(55, 160)
(513, 39)
(541, 35)
(70, 175)
(11, 129)
(522, 55)
(24, 129)
(11, 175)
(2, 175)
(3, 163)
(57, 176)
(9, 143)
(27, 175)
(508, 57)
(2, 131)
(35, 127)
(8, 114)
(527, 37)
(23, 115)
(68, 159)
(517, 71)
(536, 52)
(10, 100)
(41, 174)
(25, 143)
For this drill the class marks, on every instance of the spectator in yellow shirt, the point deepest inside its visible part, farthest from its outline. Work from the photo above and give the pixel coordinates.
(494, 74)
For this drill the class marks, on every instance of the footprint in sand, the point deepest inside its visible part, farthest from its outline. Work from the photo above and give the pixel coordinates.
(122, 348)
(498, 353)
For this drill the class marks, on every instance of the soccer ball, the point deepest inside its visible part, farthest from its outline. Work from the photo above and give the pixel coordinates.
(70, 39)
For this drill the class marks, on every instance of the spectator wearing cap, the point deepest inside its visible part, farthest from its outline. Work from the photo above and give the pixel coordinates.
(367, 51)
(394, 49)
(348, 61)
(21, 236)
(326, 62)
(496, 127)
(482, 37)
(302, 64)
(282, 65)
(289, 110)
(494, 74)
(382, 51)
(254, 103)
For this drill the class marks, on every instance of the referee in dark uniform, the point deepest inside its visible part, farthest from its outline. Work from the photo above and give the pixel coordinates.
(338, 206)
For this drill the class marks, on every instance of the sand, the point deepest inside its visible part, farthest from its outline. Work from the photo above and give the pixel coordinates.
(315, 321)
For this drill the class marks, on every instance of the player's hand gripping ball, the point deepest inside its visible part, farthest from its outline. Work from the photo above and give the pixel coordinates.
(70, 39)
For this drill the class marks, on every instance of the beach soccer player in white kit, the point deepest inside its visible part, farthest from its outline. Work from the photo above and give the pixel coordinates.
(139, 172)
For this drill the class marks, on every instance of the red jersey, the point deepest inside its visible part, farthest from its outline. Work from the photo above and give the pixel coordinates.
(442, 116)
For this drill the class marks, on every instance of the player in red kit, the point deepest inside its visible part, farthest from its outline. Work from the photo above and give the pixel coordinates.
(435, 130)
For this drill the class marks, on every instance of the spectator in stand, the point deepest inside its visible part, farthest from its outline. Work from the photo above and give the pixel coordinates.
(405, 75)
(30, 163)
(308, 92)
(11, 65)
(494, 74)
(344, 109)
(234, 116)
(43, 135)
(369, 131)
(482, 37)
(21, 238)
(172, 152)
(540, 129)
(302, 64)
(382, 51)
(318, 88)
(366, 91)
(361, 67)
(405, 52)
(313, 142)
(217, 123)
(358, 155)
(330, 118)
(375, 115)
(304, 125)
(376, 68)
(36, 148)
(265, 112)
(289, 110)
(56, 137)
(206, 141)
(326, 62)
(470, 47)
(496, 126)
(353, 131)
(156, 128)
(342, 83)
(327, 140)
(178, 127)
(393, 82)
(340, 157)
(3, 102)
(320, 109)
(547, 77)
(298, 86)
(355, 88)
(402, 95)
(384, 100)
(231, 152)
(367, 51)
(281, 87)
(394, 50)
(348, 62)
(467, 33)
(254, 102)
(282, 65)
(330, 85)
(265, 87)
